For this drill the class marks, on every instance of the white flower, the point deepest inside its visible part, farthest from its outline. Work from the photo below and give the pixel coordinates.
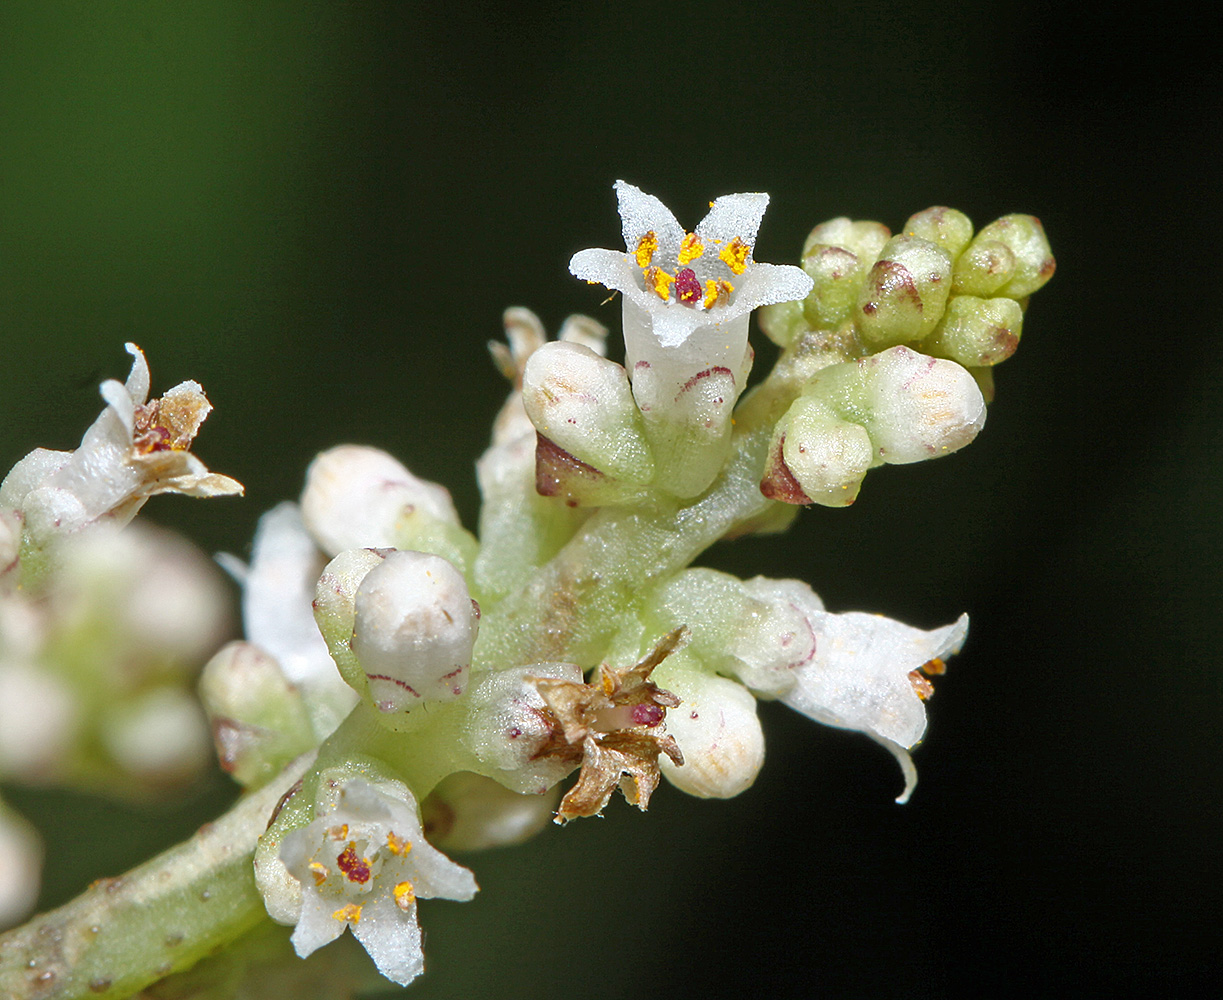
(868, 674)
(687, 296)
(134, 450)
(362, 863)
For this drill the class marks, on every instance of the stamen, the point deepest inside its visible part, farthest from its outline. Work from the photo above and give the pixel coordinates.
(923, 688)
(350, 914)
(338, 832)
(397, 845)
(405, 895)
(734, 255)
(690, 249)
(717, 291)
(320, 872)
(660, 281)
(645, 249)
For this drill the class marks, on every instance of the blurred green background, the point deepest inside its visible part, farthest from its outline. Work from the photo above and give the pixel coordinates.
(319, 212)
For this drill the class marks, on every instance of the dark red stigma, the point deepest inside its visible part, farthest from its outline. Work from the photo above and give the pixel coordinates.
(687, 287)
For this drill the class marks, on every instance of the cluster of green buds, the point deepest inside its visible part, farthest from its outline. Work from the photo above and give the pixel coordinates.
(406, 687)
(901, 307)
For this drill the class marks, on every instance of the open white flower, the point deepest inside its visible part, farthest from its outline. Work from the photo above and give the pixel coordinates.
(687, 296)
(134, 450)
(362, 863)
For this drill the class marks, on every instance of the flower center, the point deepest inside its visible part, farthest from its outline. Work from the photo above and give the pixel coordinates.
(712, 272)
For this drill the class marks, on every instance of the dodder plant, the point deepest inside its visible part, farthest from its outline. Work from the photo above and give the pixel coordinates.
(476, 673)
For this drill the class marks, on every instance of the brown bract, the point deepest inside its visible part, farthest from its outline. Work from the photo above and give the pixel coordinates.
(614, 727)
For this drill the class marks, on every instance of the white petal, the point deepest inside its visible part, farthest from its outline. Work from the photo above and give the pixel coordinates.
(138, 380)
(392, 938)
(734, 215)
(605, 267)
(768, 284)
(641, 213)
(316, 926)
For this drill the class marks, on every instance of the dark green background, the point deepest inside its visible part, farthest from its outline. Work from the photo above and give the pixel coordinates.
(319, 212)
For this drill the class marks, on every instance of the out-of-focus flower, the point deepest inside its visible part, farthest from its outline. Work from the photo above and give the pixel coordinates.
(134, 450)
(20, 867)
(362, 863)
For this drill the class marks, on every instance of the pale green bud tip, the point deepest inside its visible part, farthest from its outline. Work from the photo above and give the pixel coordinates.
(1025, 237)
(413, 631)
(905, 293)
(817, 457)
(977, 332)
(357, 497)
(949, 228)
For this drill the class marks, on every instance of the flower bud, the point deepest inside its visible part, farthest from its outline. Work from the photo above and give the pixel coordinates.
(358, 497)
(838, 255)
(160, 738)
(1024, 236)
(816, 457)
(414, 627)
(583, 403)
(717, 730)
(20, 867)
(905, 292)
(983, 268)
(259, 719)
(10, 546)
(947, 227)
(469, 812)
(976, 332)
(40, 719)
(783, 322)
(509, 731)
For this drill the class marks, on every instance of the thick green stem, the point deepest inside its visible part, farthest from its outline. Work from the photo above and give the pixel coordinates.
(124, 933)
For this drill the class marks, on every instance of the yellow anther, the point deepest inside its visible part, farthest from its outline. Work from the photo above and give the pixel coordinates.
(690, 249)
(350, 914)
(397, 845)
(338, 832)
(320, 872)
(716, 290)
(405, 895)
(734, 255)
(660, 281)
(645, 249)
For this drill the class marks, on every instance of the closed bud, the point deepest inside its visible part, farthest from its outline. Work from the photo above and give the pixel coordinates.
(905, 292)
(21, 858)
(837, 255)
(1025, 237)
(947, 227)
(259, 720)
(584, 404)
(977, 332)
(469, 812)
(816, 457)
(717, 731)
(160, 738)
(983, 268)
(862, 238)
(414, 627)
(357, 497)
(783, 322)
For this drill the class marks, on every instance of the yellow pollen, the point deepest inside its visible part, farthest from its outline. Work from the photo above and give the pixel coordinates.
(320, 872)
(350, 914)
(405, 895)
(645, 249)
(338, 832)
(660, 281)
(397, 845)
(715, 290)
(690, 249)
(734, 255)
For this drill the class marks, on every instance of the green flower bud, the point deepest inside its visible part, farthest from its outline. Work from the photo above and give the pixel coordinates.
(947, 227)
(817, 457)
(1034, 263)
(976, 332)
(983, 268)
(469, 812)
(259, 720)
(583, 403)
(837, 255)
(335, 609)
(783, 322)
(905, 292)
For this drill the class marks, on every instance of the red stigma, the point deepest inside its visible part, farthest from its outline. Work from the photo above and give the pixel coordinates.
(354, 868)
(687, 288)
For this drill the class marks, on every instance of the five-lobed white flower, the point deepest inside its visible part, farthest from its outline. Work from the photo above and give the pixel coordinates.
(362, 863)
(413, 632)
(134, 450)
(687, 296)
(359, 497)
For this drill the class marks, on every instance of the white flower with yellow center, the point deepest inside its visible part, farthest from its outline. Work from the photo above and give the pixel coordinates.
(362, 863)
(687, 295)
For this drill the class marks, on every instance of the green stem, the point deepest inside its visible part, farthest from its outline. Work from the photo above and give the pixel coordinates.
(123, 933)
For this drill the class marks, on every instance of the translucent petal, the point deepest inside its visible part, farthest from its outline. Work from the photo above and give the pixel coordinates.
(734, 215)
(316, 926)
(392, 937)
(642, 213)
